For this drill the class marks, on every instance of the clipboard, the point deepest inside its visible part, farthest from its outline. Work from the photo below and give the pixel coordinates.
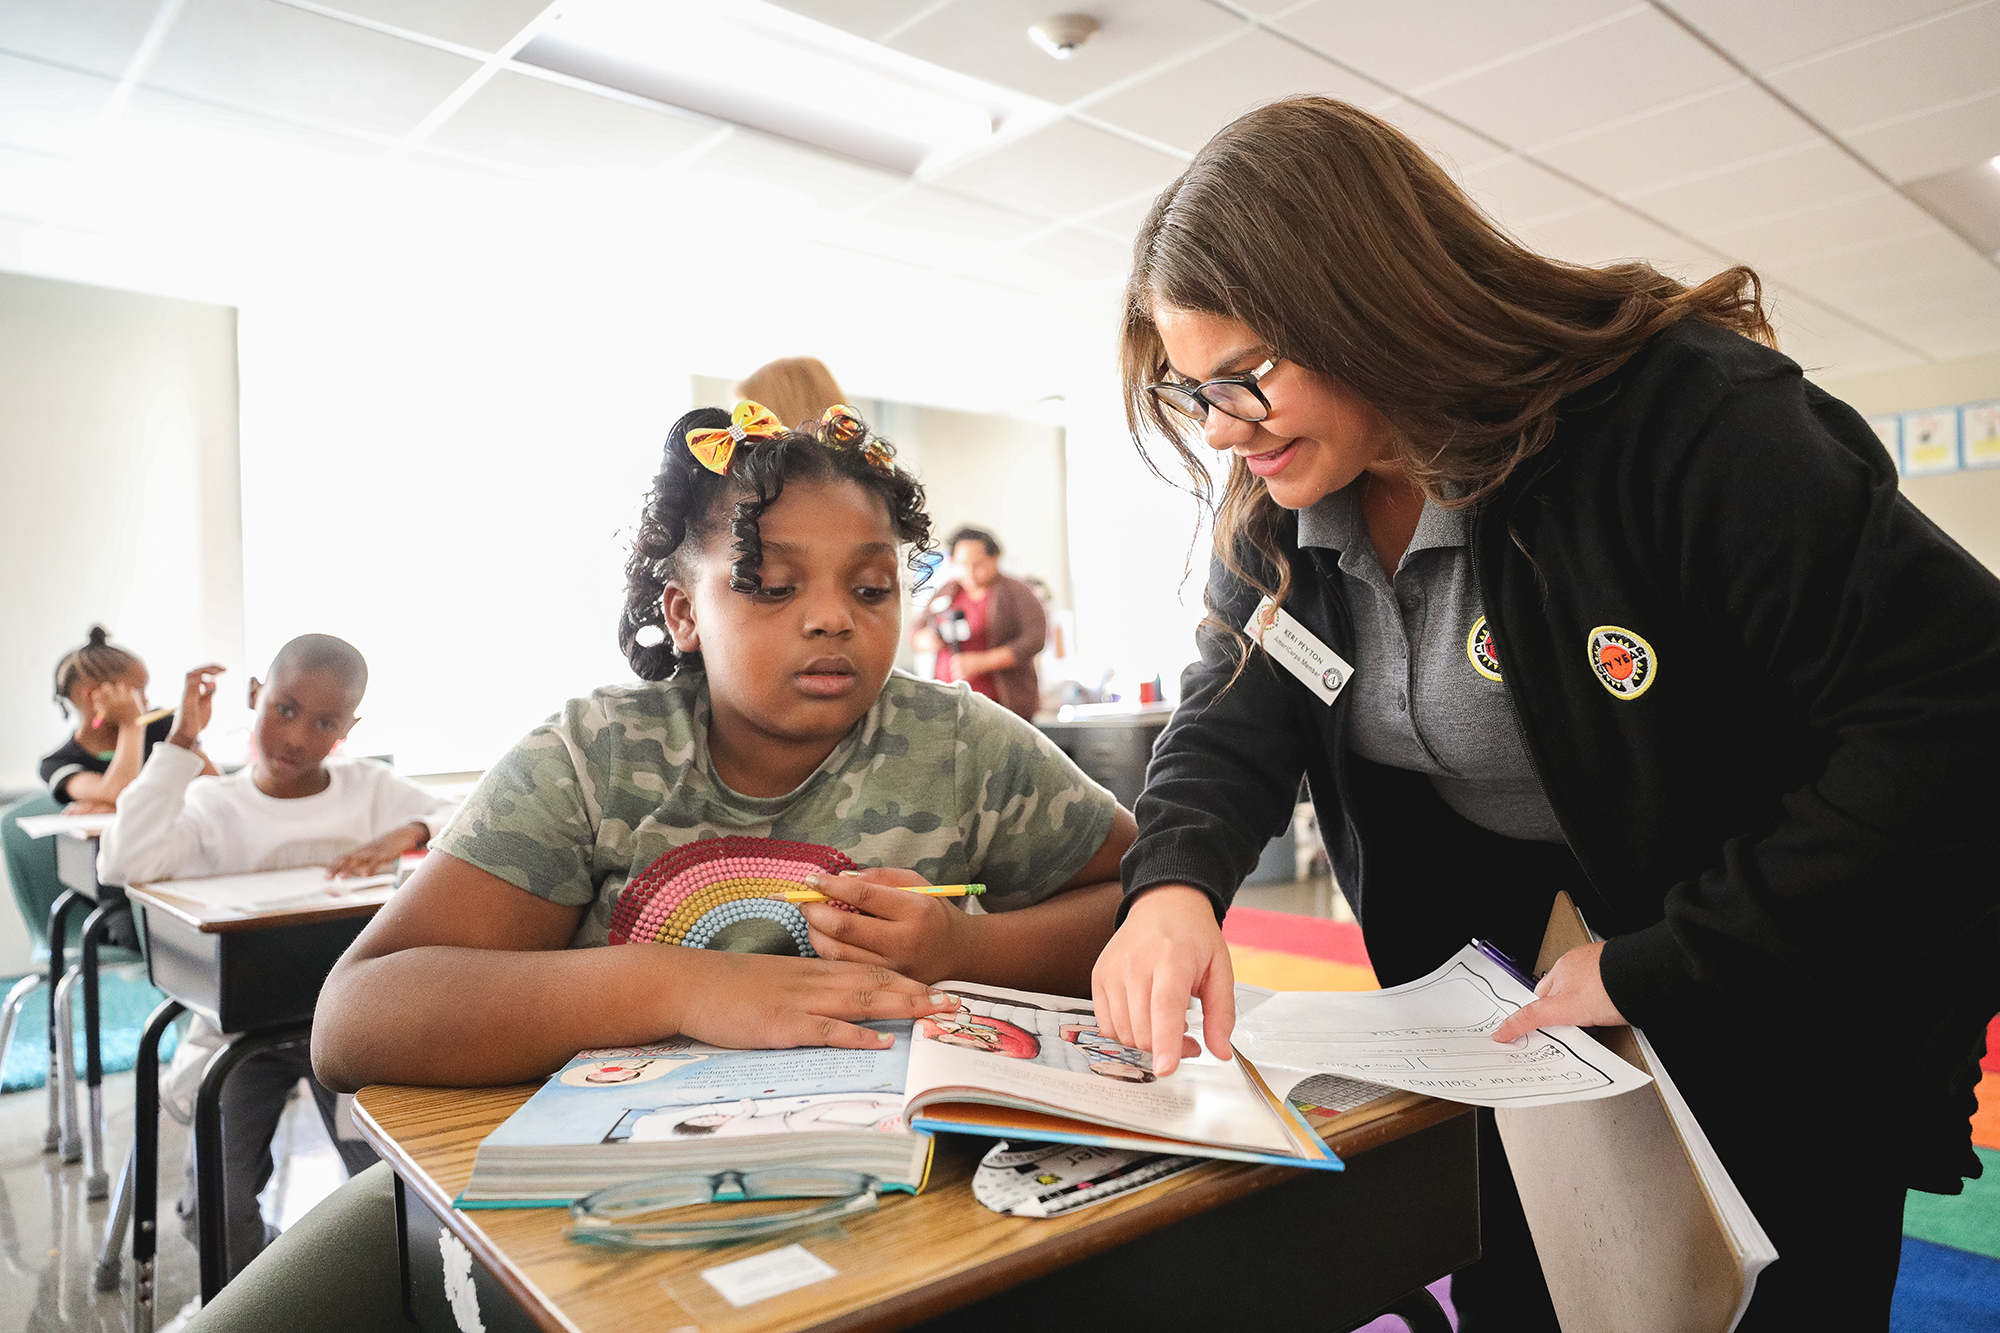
(1638, 1225)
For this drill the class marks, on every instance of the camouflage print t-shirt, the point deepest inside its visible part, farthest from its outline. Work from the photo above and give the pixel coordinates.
(933, 778)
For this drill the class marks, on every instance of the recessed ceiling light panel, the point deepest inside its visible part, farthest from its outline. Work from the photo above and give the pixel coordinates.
(760, 66)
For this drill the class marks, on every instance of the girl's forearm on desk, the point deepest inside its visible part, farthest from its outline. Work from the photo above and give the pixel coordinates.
(447, 1015)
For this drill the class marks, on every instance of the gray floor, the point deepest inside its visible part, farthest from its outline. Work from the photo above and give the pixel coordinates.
(1303, 897)
(49, 1236)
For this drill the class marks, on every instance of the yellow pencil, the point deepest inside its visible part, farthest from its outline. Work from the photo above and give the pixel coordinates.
(929, 890)
(150, 718)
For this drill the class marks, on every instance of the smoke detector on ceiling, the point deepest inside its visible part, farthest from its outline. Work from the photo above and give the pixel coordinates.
(1061, 34)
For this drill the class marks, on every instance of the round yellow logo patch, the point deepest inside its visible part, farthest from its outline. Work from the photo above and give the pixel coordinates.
(1624, 663)
(1479, 649)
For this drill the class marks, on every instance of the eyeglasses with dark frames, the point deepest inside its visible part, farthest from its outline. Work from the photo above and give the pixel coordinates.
(1238, 396)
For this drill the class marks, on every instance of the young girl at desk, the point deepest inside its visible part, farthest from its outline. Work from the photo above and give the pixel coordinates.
(764, 608)
(104, 687)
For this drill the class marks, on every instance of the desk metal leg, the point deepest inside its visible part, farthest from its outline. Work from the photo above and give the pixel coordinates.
(210, 1199)
(146, 1164)
(110, 1255)
(97, 1180)
(58, 933)
(72, 1129)
(17, 1000)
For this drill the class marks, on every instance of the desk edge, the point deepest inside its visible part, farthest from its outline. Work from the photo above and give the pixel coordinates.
(415, 1179)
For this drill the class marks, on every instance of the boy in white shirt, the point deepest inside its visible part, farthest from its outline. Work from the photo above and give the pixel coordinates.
(292, 808)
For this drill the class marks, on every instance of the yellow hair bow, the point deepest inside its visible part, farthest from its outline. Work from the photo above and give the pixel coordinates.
(840, 427)
(713, 448)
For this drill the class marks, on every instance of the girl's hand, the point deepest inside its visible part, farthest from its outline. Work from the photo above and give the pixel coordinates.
(382, 854)
(90, 808)
(1169, 950)
(911, 933)
(1571, 994)
(115, 704)
(763, 1001)
(197, 703)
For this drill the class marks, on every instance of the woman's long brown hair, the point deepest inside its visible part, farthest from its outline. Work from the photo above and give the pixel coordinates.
(1347, 250)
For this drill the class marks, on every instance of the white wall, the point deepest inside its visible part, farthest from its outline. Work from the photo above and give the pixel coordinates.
(119, 499)
(454, 387)
(1964, 504)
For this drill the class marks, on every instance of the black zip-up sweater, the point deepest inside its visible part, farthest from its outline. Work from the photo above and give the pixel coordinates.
(1794, 829)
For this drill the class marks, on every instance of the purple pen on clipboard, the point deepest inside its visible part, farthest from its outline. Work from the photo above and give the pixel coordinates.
(1508, 965)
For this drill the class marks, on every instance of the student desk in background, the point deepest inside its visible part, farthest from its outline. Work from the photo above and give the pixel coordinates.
(1226, 1245)
(76, 838)
(1112, 749)
(257, 972)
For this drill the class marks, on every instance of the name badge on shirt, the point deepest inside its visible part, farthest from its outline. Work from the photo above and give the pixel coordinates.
(1299, 650)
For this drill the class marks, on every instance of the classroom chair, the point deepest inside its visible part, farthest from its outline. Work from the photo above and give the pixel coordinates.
(31, 873)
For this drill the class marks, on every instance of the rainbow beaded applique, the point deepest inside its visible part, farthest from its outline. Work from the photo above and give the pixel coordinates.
(725, 893)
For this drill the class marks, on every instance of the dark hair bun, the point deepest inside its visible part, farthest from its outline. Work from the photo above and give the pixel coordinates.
(98, 634)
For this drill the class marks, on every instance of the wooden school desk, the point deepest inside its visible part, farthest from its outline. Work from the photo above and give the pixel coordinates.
(1227, 1245)
(254, 972)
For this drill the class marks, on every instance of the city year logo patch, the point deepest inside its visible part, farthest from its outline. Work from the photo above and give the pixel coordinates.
(1624, 663)
(1479, 649)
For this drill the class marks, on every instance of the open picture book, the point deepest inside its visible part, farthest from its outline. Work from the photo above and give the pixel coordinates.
(1008, 1064)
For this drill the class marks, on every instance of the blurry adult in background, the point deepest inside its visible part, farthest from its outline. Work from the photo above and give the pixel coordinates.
(984, 626)
(797, 388)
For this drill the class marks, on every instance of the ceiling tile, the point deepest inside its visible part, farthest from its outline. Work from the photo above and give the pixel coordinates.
(1816, 174)
(1772, 32)
(1639, 61)
(1607, 233)
(276, 58)
(1896, 277)
(1516, 192)
(1829, 345)
(47, 109)
(99, 36)
(156, 122)
(1734, 122)
(35, 184)
(924, 225)
(1062, 169)
(1064, 261)
(534, 123)
(988, 39)
(1186, 105)
(1417, 42)
(1836, 227)
(1943, 140)
(1124, 217)
(485, 25)
(1938, 62)
(872, 19)
(1451, 145)
(1962, 327)
(835, 184)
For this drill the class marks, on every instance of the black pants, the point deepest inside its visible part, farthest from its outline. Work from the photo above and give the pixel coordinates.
(1837, 1226)
(253, 1101)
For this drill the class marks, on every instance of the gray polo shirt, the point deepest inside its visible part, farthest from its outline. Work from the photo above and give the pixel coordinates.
(1427, 692)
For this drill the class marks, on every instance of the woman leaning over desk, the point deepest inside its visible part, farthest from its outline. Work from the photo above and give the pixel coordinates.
(1634, 611)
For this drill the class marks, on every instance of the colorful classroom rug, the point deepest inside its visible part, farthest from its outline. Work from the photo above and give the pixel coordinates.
(1950, 1275)
(125, 1000)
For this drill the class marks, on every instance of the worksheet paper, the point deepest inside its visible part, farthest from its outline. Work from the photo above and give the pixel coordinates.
(1433, 1036)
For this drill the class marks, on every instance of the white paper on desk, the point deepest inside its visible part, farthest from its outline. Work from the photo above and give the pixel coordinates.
(84, 826)
(268, 890)
(1433, 1036)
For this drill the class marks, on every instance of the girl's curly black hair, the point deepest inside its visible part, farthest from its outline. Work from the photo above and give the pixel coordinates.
(98, 662)
(685, 509)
